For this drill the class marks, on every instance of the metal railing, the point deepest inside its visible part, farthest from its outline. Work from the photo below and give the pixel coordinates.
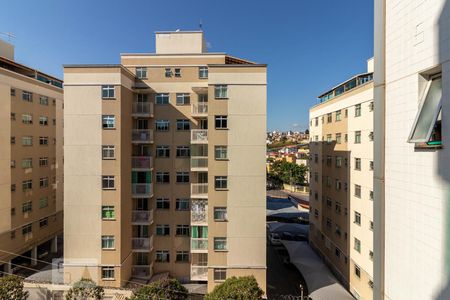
(142, 216)
(199, 272)
(142, 135)
(141, 243)
(200, 108)
(199, 189)
(141, 162)
(142, 108)
(199, 162)
(143, 271)
(199, 244)
(199, 136)
(141, 189)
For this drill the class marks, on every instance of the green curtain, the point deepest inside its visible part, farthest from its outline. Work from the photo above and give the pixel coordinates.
(205, 232)
(194, 232)
(148, 177)
(134, 177)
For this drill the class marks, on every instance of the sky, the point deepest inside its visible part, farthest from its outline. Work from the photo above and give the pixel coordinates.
(309, 46)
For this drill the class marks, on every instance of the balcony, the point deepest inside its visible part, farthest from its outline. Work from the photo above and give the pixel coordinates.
(142, 109)
(199, 136)
(141, 190)
(199, 190)
(200, 109)
(141, 271)
(142, 136)
(199, 163)
(143, 163)
(199, 212)
(199, 245)
(142, 244)
(144, 217)
(199, 273)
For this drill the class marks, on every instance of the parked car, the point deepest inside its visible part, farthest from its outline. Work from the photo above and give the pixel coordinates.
(275, 239)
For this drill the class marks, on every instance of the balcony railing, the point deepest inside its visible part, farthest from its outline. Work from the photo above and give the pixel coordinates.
(199, 136)
(141, 189)
(199, 244)
(142, 243)
(143, 271)
(200, 109)
(142, 136)
(142, 216)
(143, 109)
(142, 162)
(199, 163)
(199, 212)
(199, 273)
(199, 190)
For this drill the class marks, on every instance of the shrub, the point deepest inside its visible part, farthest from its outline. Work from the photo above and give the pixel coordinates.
(237, 288)
(11, 288)
(85, 289)
(162, 289)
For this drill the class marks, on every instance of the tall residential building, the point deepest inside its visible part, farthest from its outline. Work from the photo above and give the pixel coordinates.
(341, 184)
(412, 155)
(165, 166)
(31, 158)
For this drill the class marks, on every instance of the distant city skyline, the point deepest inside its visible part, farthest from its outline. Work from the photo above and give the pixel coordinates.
(306, 55)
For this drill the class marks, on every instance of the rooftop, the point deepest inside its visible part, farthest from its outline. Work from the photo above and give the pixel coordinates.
(346, 86)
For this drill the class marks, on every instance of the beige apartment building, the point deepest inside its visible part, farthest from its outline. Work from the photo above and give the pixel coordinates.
(31, 159)
(165, 166)
(341, 181)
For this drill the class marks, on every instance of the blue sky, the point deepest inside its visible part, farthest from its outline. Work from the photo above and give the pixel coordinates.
(309, 46)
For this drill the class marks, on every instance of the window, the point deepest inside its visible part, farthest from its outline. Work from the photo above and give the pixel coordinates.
(183, 151)
(338, 208)
(182, 204)
(107, 242)
(27, 207)
(357, 245)
(371, 165)
(371, 225)
(162, 125)
(27, 185)
(203, 72)
(26, 229)
(108, 152)
(329, 160)
(316, 213)
(316, 158)
(329, 138)
(329, 223)
(162, 151)
(183, 124)
(108, 212)
(43, 182)
(108, 273)
(162, 99)
(43, 202)
(108, 92)
(221, 91)
(163, 230)
(13, 163)
(27, 163)
(108, 121)
(221, 182)
(177, 72)
(357, 137)
(27, 96)
(329, 202)
(13, 92)
(357, 219)
(43, 121)
(329, 118)
(329, 181)
(182, 256)
(337, 230)
(162, 203)
(357, 110)
(337, 252)
(182, 177)
(43, 222)
(358, 164)
(54, 122)
(162, 177)
(346, 137)
(220, 243)
(13, 116)
(371, 136)
(182, 230)
(220, 274)
(141, 72)
(220, 213)
(338, 161)
(338, 138)
(13, 187)
(168, 72)
(107, 182)
(221, 152)
(316, 177)
(43, 140)
(221, 122)
(426, 128)
(338, 116)
(357, 191)
(371, 106)
(43, 100)
(43, 161)
(371, 195)
(27, 119)
(183, 99)
(162, 256)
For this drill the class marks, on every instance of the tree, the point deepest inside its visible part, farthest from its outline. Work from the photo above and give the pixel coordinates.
(237, 288)
(289, 173)
(162, 289)
(11, 288)
(85, 289)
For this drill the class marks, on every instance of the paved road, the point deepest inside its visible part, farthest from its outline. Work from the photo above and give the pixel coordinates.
(281, 280)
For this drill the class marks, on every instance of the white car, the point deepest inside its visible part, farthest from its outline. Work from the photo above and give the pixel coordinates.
(274, 239)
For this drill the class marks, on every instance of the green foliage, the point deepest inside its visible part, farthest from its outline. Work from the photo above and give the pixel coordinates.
(11, 288)
(85, 289)
(162, 289)
(237, 288)
(287, 172)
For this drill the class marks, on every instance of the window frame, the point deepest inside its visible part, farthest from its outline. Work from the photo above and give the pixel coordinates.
(220, 149)
(108, 149)
(183, 125)
(219, 183)
(162, 99)
(162, 125)
(202, 70)
(222, 121)
(106, 92)
(140, 72)
(221, 91)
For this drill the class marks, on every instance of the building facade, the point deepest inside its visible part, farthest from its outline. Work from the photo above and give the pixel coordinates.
(169, 148)
(341, 185)
(411, 186)
(31, 158)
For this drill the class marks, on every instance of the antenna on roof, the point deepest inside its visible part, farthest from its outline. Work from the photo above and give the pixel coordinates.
(8, 34)
(200, 25)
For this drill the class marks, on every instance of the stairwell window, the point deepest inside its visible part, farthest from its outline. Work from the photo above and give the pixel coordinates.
(162, 99)
(203, 72)
(221, 182)
(108, 242)
(221, 91)
(108, 92)
(108, 122)
(426, 129)
(141, 72)
(183, 99)
(221, 122)
(108, 182)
